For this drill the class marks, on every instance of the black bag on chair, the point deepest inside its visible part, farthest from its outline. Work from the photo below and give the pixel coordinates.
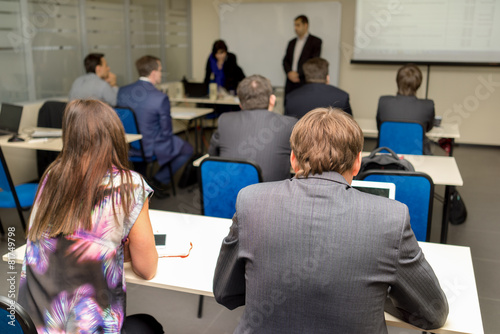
(458, 212)
(381, 161)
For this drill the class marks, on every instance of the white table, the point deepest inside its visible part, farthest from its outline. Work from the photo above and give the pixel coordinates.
(195, 115)
(49, 144)
(194, 274)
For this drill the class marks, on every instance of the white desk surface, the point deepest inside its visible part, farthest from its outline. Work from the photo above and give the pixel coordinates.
(446, 130)
(230, 100)
(188, 114)
(442, 170)
(194, 274)
(47, 144)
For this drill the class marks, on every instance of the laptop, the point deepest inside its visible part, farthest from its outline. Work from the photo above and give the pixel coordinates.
(384, 189)
(195, 89)
(10, 118)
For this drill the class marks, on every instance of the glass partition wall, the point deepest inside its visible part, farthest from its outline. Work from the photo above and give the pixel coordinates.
(43, 42)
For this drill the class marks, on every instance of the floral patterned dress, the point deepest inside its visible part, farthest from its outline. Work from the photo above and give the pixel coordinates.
(75, 283)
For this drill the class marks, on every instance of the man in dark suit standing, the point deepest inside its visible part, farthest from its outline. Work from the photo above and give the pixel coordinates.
(152, 109)
(314, 255)
(316, 92)
(256, 133)
(305, 46)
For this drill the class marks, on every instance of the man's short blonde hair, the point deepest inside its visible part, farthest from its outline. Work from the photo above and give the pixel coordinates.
(326, 139)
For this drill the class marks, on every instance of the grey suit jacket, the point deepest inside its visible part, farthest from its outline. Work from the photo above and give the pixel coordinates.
(317, 256)
(258, 135)
(90, 86)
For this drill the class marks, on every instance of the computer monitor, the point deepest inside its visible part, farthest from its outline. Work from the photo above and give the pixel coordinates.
(10, 118)
(384, 189)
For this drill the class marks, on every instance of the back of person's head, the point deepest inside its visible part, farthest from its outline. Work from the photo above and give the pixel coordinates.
(409, 79)
(147, 64)
(219, 45)
(302, 19)
(254, 92)
(316, 70)
(93, 144)
(326, 139)
(91, 61)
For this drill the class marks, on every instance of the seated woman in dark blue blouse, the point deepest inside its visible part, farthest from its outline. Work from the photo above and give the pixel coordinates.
(223, 65)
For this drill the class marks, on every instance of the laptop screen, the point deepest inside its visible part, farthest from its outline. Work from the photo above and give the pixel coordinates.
(10, 118)
(383, 189)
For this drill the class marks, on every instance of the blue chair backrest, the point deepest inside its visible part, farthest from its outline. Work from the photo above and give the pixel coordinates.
(127, 116)
(19, 322)
(414, 189)
(221, 180)
(402, 137)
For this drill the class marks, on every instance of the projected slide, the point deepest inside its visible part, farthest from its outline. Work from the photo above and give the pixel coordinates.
(427, 31)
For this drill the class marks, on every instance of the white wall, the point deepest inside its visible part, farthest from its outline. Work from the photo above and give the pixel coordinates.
(449, 87)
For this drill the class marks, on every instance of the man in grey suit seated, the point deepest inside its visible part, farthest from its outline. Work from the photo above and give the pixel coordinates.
(256, 133)
(314, 255)
(317, 92)
(99, 83)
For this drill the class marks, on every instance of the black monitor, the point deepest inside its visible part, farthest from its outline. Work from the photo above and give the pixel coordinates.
(10, 118)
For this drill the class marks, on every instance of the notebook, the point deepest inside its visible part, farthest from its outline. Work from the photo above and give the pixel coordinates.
(384, 189)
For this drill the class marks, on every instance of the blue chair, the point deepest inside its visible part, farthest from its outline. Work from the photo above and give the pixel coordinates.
(416, 190)
(402, 137)
(220, 181)
(20, 322)
(129, 121)
(20, 197)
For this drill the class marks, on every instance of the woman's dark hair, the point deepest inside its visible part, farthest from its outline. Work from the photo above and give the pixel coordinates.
(219, 45)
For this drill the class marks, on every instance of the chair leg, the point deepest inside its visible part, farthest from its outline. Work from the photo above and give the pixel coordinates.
(21, 216)
(171, 178)
(200, 307)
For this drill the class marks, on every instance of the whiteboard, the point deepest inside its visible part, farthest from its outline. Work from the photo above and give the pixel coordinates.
(258, 33)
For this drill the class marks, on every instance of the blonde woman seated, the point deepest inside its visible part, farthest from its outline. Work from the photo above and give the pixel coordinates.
(90, 215)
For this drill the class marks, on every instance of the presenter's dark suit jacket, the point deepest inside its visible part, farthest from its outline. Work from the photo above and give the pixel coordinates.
(312, 49)
(317, 256)
(407, 108)
(152, 109)
(258, 135)
(315, 95)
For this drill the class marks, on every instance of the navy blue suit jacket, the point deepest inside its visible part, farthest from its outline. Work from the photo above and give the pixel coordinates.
(316, 95)
(152, 109)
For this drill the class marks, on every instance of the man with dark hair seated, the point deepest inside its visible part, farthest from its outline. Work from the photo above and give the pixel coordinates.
(317, 92)
(256, 133)
(314, 255)
(405, 106)
(99, 83)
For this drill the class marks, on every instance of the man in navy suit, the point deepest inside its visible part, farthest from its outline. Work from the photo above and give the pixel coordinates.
(317, 92)
(305, 46)
(152, 109)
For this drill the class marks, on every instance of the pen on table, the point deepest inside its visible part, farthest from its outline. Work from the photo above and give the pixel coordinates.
(38, 140)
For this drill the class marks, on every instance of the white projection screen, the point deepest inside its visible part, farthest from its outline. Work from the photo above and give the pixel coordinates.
(438, 31)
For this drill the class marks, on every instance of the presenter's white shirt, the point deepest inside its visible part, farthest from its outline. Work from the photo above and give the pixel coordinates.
(299, 45)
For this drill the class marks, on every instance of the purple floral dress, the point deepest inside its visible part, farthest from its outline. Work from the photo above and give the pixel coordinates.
(75, 283)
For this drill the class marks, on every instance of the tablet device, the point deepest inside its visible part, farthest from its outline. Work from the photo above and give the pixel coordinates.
(384, 189)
